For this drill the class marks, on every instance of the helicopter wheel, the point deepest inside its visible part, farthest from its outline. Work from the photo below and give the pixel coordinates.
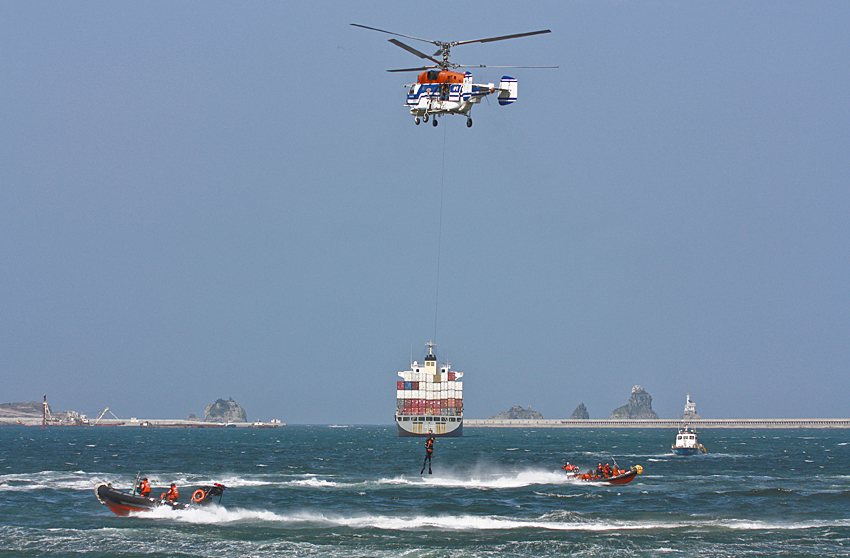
(435, 122)
(469, 123)
(416, 120)
(425, 117)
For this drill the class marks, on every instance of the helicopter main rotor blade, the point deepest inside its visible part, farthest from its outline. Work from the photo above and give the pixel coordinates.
(414, 69)
(397, 34)
(412, 50)
(503, 37)
(488, 66)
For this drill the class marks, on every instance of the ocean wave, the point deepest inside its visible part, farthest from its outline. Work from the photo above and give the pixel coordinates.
(82, 480)
(312, 482)
(582, 495)
(485, 480)
(553, 521)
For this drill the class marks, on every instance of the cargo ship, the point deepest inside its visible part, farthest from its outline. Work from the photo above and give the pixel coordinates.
(429, 399)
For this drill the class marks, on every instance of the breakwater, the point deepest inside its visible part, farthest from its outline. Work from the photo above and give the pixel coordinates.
(657, 423)
(141, 423)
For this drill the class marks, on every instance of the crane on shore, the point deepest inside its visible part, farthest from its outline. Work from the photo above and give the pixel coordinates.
(103, 413)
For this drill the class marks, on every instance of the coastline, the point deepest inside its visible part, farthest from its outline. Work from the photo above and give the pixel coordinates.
(701, 424)
(140, 423)
(657, 423)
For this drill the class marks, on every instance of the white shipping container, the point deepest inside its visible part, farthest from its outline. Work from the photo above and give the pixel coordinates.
(414, 394)
(400, 394)
(452, 394)
(408, 376)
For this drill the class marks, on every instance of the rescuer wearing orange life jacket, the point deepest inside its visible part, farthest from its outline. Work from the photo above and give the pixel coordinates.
(608, 472)
(145, 488)
(429, 452)
(172, 493)
(600, 471)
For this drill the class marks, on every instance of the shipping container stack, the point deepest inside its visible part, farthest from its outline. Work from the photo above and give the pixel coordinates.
(430, 390)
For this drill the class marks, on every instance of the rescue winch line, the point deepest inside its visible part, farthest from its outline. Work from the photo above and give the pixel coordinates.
(440, 232)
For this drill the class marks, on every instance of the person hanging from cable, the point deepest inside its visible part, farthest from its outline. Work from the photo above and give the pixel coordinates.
(429, 452)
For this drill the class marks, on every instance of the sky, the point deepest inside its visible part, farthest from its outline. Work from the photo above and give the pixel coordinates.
(206, 200)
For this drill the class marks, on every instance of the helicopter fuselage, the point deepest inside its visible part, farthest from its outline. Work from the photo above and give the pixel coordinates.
(446, 92)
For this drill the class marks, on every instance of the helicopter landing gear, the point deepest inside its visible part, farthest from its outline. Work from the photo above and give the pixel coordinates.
(416, 120)
(425, 117)
(435, 122)
(469, 123)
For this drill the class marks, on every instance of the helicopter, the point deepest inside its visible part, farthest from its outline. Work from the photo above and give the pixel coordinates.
(440, 90)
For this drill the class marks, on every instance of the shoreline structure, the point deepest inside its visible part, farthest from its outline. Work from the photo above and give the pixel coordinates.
(139, 423)
(657, 423)
(486, 423)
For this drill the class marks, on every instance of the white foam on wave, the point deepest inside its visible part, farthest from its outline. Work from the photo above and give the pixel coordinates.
(484, 480)
(312, 482)
(82, 480)
(49, 480)
(566, 521)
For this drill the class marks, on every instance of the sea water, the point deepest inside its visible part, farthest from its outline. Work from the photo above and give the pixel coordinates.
(357, 491)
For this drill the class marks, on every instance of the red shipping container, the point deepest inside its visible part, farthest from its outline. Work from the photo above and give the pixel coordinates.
(451, 402)
(400, 385)
(451, 376)
(415, 385)
(444, 402)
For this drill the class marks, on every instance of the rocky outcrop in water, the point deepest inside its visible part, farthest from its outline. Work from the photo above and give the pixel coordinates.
(517, 412)
(638, 407)
(225, 411)
(580, 413)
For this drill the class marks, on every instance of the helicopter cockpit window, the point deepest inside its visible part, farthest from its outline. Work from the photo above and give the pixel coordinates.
(433, 75)
(412, 90)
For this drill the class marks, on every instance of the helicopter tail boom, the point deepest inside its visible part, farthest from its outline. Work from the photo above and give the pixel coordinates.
(507, 90)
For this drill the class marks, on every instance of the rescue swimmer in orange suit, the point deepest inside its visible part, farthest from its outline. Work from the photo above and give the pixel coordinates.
(429, 452)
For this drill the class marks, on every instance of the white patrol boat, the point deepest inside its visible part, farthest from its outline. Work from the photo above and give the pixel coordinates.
(687, 442)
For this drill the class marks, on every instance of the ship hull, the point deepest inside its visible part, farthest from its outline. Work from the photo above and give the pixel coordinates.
(685, 451)
(424, 425)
